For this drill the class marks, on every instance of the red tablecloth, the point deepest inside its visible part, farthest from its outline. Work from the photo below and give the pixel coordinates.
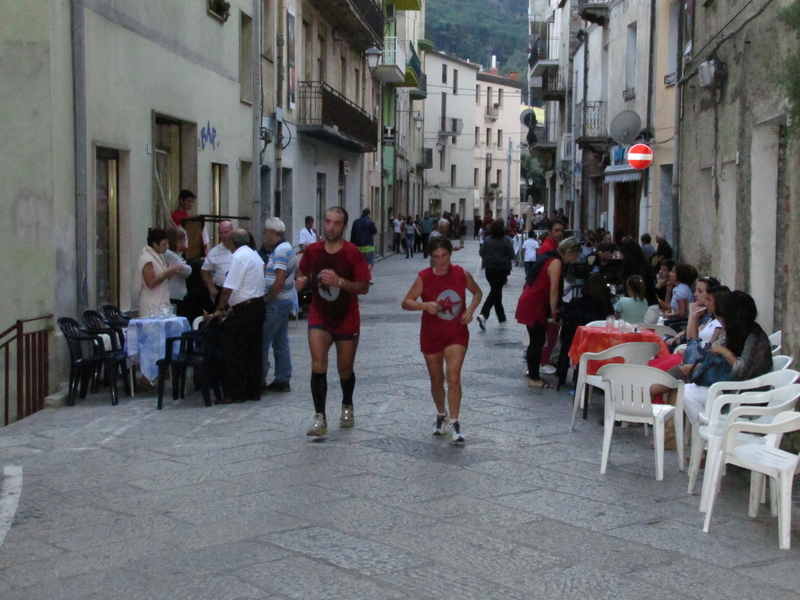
(597, 339)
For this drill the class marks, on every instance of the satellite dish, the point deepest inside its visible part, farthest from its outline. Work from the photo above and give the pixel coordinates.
(626, 127)
(527, 118)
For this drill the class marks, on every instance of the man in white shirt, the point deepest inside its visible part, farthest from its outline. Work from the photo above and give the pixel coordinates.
(243, 293)
(308, 235)
(217, 263)
(530, 247)
(398, 230)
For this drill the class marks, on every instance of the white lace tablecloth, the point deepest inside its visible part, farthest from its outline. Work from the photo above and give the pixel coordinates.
(147, 338)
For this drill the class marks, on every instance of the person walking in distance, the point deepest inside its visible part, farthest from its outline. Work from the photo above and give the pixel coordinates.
(338, 274)
(497, 253)
(439, 292)
(362, 234)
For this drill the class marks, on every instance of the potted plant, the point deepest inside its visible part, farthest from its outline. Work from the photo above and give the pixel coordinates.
(220, 9)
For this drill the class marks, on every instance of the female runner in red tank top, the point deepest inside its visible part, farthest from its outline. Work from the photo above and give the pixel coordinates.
(440, 292)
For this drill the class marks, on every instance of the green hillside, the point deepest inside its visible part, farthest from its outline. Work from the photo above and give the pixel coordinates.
(476, 29)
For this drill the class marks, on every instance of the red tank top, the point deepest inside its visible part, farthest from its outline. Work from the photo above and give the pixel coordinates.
(450, 292)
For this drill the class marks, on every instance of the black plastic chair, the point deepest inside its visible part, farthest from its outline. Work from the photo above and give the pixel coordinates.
(116, 355)
(87, 358)
(196, 350)
(114, 316)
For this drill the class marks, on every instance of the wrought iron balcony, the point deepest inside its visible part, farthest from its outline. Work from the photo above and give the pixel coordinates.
(427, 159)
(594, 11)
(449, 126)
(565, 147)
(327, 115)
(413, 70)
(492, 113)
(591, 124)
(554, 84)
(547, 134)
(544, 55)
(420, 92)
(361, 21)
(392, 67)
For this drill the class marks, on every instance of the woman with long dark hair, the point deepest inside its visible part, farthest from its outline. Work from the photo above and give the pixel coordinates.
(497, 253)
(539, 302)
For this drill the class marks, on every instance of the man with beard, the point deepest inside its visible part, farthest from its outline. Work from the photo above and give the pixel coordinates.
(338, 274)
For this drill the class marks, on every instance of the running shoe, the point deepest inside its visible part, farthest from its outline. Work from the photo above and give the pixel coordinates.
(320, 426)
(439, 425)
(548, 369)
(481, 322)
(348, 419)
(455, 432)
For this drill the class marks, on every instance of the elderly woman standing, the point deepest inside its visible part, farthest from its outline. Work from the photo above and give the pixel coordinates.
(172, 257)
(152, 273)
(538, 303)
(497, 253)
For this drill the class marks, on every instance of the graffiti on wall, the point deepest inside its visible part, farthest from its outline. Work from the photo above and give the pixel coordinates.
(208, 137)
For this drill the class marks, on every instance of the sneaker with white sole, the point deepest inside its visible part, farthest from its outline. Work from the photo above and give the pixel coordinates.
(455, 432)
(440, 424)
(548, 369)
(348, 418)
(481, 322)
(320, 426)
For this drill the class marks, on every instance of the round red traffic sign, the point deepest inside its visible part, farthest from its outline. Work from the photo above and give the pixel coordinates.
(640, 156)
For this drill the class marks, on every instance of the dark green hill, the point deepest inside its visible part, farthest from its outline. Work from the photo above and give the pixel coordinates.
(476, 29)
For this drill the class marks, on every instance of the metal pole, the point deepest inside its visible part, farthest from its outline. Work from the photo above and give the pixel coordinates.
(509, 160)
(257, 111)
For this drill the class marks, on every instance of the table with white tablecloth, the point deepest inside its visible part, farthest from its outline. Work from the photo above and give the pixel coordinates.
(147, 340)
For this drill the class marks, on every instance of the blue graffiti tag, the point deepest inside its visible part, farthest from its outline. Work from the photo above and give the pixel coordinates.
(208, 135)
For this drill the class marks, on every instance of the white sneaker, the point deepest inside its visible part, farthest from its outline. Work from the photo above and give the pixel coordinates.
(548, 369)
(347, 419)
(455, 432)
(320, 426)
(440, 424)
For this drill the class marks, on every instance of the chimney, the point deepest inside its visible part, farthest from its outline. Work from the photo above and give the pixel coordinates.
(494, 71)
(514, 75)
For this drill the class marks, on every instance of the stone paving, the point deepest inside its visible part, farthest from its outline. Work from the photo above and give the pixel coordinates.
(235, 502)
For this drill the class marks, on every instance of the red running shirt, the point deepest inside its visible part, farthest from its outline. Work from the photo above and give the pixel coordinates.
(444, 328)
(332, 307)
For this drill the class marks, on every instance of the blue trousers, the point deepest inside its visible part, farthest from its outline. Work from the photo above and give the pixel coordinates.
(276, 336)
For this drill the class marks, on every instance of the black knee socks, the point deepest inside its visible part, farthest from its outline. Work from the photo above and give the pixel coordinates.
(348, 385)
(319, 391)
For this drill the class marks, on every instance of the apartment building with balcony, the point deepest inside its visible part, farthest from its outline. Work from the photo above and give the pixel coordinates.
(321, 108)
(449, 112)
(498, 133)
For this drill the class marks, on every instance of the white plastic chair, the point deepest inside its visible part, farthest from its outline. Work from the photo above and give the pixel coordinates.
(196, 323)
(775, 343)
(781, 362)
(652, 314)
(762, 459)
(661, 330)
(774, 401)
(632, 353)
(628, 399)
(596, 324)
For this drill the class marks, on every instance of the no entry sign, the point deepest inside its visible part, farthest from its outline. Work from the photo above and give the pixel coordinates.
(640, 156)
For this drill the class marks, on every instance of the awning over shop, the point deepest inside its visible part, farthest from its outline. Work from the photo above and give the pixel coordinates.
(621, 174)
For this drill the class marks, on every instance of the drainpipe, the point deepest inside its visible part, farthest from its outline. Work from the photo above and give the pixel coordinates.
(80, 154)
(257, 110)
(279, 109)
(651, 90)
(676, 177)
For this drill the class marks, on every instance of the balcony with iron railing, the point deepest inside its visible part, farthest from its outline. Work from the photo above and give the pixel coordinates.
(546, 133)
(544, 55)
(594, 11)
(361, 21)
(565, 147)
(392, 66)
(492, 113)
(450, 126)
(420, 92)
(426, 159)
(413, 68)
(591, 119)
(325, 114)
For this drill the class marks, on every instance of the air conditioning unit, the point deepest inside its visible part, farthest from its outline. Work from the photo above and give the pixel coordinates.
(391, 12)
(344, 168)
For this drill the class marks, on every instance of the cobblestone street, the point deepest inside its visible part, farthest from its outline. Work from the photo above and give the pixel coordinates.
(235, 502)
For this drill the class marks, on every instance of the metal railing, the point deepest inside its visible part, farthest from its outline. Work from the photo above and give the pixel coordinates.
(544, 49)
(591, 117)
(413, 60)
(565, 152)
(450, 126)
(354, 15)
(321, 105)
(394, 53)
(492, 113)
(555, 82)
(546, 132)
(26, 366)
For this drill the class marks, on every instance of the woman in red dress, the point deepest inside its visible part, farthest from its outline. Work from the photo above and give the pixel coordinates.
(538, 303)
(440, 292)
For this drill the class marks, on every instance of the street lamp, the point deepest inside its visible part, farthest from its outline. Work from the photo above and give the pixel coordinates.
(419, 121)
(373, 57)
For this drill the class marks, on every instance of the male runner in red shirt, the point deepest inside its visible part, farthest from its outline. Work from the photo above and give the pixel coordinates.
(338, 274)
